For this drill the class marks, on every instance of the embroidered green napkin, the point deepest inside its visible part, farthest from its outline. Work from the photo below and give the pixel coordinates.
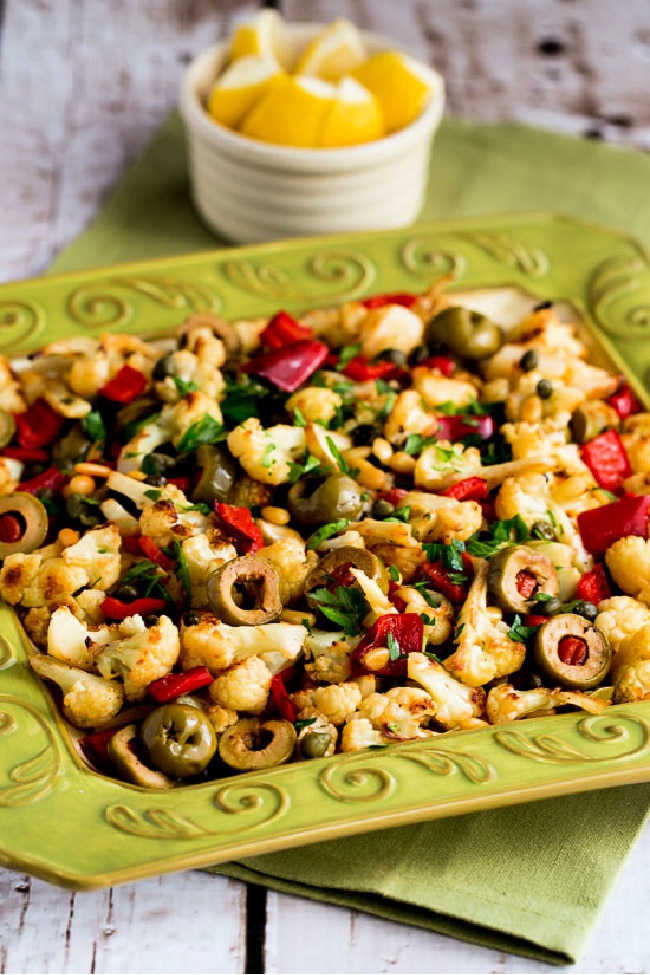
(529, 879)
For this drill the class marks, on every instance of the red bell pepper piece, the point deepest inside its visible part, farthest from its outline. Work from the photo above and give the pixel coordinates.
(38, 426)
(457, 426)
(27, 455)
(469, 489)
(173, 685)
(397, 601)
(395, 298)
(282, 330)
(238, 523)
(624, 401)
(131, 544)
(607, 459)
(290, 366)
(280, 700)
(601, 527)
(593, 586)
(152, 552)
(126, 385)
(534, 619)
(182, 483)
(95, 747)
(407, 633)
(116, 609)
(439, 575)
(393, 496)
(361, 369)
(50, 480)
(443, 363)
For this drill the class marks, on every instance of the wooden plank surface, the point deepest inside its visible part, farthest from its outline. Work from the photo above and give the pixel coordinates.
(83, 85)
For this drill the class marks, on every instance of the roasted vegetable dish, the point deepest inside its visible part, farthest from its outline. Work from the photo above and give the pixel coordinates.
(262, 541)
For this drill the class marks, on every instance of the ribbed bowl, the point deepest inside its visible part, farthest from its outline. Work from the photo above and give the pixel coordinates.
(249, 191)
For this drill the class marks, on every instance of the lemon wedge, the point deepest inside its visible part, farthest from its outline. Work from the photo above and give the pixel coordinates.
(335, 51)
(355, 116)
(290, 112)
(240, 86)
(257, 35)
(402, 85)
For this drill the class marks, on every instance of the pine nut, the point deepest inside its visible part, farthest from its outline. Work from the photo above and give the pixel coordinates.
(276, 516)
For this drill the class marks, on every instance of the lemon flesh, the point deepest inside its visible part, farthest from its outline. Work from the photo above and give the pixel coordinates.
(258, 35)
(335, 51)
(290, 112)
(400, 83)
(355, 116)
(240, 86)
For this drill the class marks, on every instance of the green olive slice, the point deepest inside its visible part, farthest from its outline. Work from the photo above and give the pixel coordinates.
(179, 739)
(572, 651)
(517, 574)
(245, 592)
(253, 743)
(467, 333)
(338, 496)
(23, 523)
(7, 427)
(360, 558)
(122, 751)
(591, 418)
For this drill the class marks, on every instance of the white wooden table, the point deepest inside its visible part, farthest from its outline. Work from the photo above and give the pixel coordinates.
(83, 85)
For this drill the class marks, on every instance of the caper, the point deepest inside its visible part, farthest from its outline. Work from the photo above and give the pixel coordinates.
(465, 332)
(315, 744)
(396, 356)
(591, 418)
(163, 367)
(543, 305)
(127, 592)
(543, 530)
(364, 434)
(529, 360)
(586, 609)
(544, 389)
(155, 480)
(548, 607)
(191, 619)
(80, 509)
(382, 508)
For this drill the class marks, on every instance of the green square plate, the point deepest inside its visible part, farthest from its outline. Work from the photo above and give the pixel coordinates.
(63, 822)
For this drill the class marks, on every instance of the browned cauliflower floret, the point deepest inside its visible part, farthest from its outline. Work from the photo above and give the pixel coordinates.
(244, 686)
(628, 560)
(327, 657)
(620, 617)
(69, 639)
(88, 700)
(215, 645)
(483, 648)
(139, 654)
(454, 703)
(288, 557)
(390, 327)
(506, 703)
(267, 454)
(336, 701)
(631, 668)
(398, 713)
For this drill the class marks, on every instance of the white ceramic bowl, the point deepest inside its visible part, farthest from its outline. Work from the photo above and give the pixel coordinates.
(249, 191)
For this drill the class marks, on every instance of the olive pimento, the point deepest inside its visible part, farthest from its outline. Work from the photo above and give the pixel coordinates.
(518, 574)
(572, 651)
(252, 743)
(23, 523)
(245, 592)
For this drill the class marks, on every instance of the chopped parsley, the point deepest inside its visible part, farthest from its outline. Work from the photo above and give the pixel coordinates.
(185, 386)
(393, 647)
(450, 555)
(205, 430)
(346, 354)
(520, 633)
(416, 443)
(325, 532)
(310, 465)
(509, 531)
(147, 578)
(93, 425)
(345, 607)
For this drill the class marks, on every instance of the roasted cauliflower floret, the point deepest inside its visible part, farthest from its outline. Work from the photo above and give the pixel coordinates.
(544, 440)
(443, 463)
(631, 668)
(436, 389)
(327, 657)
(171, 516)
(358, 734)
(267, 454)
(398, 713)
(628, 560)
(505, 703)
(454, 703)
(435, 518)
(140, 654)
(202, 555)
(244, 686)
(336, 701)
(70, 640)
(288, 557)
(318, 404)
(408, 415)
(440, 617)
(98, 554)
(88, 700)
(390, 327)
(11, 398)
(215, 645)
(484, 650)
(191, 411)
(619, 617)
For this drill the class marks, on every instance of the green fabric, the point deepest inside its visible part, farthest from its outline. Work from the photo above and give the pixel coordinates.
(529, 879)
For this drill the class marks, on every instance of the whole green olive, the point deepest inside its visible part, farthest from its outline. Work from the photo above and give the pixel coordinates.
(179, 740)
(467, 333)
(338, 496)
(218, 473)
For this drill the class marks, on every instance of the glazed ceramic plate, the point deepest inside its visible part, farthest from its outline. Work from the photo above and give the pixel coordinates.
(61, 821)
